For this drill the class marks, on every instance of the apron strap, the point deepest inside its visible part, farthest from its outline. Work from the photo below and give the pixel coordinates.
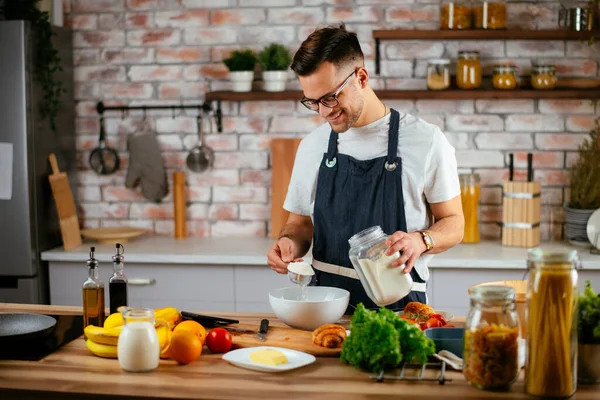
(351, 273)
(332, 149)
(392, 154)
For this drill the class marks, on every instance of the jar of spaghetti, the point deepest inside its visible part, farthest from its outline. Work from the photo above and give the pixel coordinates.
(491, 344)
(490, 14)
(468, 70)
(456, 14)
(552, 295)
(505, 77)
(543, 76)
(470, 191)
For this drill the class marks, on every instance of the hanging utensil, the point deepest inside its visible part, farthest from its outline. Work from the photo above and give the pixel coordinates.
(104, 160)
(201, 156)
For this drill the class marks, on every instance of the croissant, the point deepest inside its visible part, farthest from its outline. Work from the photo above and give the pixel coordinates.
(418, 311)
(329, 335)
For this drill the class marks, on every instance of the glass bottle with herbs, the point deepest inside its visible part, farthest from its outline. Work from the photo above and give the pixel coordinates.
(93, 294)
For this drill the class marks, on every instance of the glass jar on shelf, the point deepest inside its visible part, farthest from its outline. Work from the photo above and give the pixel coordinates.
(552, 295)
(543, 76)
(456, 14)
(468, 70)
(470, 192)
(505, 77)
(491, 344)
(438, 74)
(490, 14)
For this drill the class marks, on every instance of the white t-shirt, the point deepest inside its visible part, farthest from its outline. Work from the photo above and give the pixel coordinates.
(429, 170)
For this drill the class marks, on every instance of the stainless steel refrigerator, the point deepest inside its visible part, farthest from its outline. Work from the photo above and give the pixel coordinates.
(28, 218)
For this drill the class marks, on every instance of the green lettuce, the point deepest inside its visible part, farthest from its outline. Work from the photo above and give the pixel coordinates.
(589, 316)
(383, 340)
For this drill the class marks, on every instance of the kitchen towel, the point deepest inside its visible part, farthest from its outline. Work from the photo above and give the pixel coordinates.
(146, 167)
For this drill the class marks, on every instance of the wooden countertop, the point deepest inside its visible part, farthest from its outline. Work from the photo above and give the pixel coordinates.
(73, 372)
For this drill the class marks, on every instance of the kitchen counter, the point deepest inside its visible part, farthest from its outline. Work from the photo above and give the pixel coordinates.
(73, 372)
(252, 251)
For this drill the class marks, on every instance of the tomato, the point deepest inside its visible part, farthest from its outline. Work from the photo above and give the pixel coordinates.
(433, 323)
(440, 317)
(219, 340)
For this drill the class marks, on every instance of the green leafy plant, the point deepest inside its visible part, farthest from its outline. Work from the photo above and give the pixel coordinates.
(382, 340)
(589, 316)
(274, 57)
(241, 60)
(585, 174)
(46, 60)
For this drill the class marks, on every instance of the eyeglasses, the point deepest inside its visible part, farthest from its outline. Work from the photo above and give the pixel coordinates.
(329, 100)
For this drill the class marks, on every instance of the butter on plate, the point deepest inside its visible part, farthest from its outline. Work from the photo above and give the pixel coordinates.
(268, 357)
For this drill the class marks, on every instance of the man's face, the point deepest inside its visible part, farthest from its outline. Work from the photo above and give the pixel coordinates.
(324, 83)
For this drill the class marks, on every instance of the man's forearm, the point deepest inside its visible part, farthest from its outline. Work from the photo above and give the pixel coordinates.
(446, 233)
(300, 234)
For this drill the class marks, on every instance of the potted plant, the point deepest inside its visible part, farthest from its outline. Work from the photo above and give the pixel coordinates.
(585, 189)
(275, 61)
(588, 358)
(241, 69)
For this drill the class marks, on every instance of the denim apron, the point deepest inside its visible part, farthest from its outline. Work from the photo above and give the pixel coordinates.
(353, 195)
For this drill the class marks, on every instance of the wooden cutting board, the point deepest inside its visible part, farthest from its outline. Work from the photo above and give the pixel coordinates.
(288, 338)
(65, 206)
(112, 235)
(283, 154)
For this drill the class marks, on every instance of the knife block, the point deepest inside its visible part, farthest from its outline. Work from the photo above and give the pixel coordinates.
(521, 209)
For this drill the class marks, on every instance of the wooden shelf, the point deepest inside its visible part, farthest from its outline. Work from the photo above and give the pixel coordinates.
(451, 94)
(500, 34)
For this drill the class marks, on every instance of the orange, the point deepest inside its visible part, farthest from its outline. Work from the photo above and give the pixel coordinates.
(185, 346)
(194, 327)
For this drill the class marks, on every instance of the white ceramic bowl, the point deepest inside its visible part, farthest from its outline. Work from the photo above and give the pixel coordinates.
(323, 305)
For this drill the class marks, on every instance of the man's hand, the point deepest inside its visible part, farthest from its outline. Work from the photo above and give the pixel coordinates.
(281, 254)
(410, 244)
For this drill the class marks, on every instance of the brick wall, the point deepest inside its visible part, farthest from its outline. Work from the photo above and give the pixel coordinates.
(170, 51)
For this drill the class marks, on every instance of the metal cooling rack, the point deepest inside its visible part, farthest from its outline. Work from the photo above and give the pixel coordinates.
(441, 378)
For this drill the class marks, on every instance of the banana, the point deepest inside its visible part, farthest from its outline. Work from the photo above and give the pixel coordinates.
(109, 336)
(169, 314)
(114, 320)
(102, 350)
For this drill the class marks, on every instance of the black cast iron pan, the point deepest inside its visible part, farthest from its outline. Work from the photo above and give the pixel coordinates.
(19, 327)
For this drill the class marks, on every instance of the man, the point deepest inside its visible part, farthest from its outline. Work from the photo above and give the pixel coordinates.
(370, 165)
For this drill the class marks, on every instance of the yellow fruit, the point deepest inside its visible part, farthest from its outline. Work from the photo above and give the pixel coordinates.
(114, 320)
(169, 314)
(99, 335)
(194, 327)
(185, 347)
(164, 338)
(102, 350)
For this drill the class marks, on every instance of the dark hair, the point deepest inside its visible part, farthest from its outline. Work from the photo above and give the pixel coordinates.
(332, 43)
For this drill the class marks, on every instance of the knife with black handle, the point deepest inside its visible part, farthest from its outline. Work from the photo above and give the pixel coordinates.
(262, 332)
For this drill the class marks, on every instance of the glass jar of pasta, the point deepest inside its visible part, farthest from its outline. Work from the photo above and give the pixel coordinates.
(470, 191)
(552, 295)
(438, 74)
(543, 76)
(468, 70)
(456, 14)
(505, 77)
(491, 344)
(490, 14)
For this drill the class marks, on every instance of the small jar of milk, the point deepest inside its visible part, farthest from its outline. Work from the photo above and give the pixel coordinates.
(383, 283)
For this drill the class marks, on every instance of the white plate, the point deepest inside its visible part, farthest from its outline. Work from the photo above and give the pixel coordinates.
(593, 228)
(241, 358)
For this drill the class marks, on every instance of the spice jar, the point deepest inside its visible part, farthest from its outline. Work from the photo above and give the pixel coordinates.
(490, 14)
(456, 15)
(383, 283)
(491, 346)
(468, 70)
(505, 77)
(438, 74)
(470, 191)
(552, 296)
(543, 76)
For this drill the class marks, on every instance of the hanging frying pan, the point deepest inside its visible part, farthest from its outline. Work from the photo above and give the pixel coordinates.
(20, 327)
(104, 160)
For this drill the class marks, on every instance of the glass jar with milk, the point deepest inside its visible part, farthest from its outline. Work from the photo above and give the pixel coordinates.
(138, 348)
(383, 283)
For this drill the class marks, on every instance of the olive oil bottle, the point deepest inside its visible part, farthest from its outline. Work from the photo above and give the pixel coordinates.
(93, 294)
(117, 284)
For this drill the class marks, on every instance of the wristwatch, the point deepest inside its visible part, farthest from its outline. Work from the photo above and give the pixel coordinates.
(427, 239)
